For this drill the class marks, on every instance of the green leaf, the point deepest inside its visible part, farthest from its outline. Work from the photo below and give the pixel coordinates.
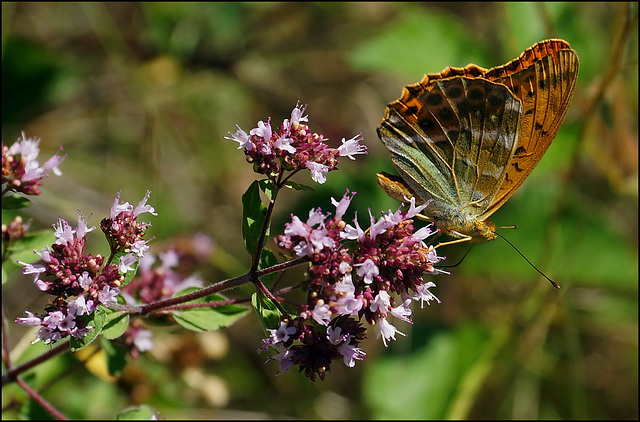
(116, 324)
(15, 202)
(267, 311)
(268, 259)
(253, 217)
(269, 189)
(22, 249)
(207, 318)
(97, 320)
(115, 356)
(298, 186)
(142, 412)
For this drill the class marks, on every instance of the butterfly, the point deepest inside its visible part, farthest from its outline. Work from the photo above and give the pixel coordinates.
(466, 138)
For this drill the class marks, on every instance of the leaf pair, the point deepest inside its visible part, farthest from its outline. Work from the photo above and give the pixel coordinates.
(255, 229)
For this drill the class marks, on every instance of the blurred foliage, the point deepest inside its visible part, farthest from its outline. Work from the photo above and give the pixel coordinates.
(141, 95)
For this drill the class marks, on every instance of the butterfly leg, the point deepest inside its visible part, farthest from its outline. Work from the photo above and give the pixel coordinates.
(452, 242)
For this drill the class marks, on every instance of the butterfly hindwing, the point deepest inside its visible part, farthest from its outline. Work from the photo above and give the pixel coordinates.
(410, 143)
(452, 140)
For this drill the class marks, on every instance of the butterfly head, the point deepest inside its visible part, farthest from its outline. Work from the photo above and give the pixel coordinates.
(464, 227)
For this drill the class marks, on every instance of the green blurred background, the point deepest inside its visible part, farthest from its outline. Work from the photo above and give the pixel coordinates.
(141, 95)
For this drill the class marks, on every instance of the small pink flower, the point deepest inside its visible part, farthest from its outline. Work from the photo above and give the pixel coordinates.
(30, 320)
(387, 331)
(368, 270)
(242, 138)
(351, 147)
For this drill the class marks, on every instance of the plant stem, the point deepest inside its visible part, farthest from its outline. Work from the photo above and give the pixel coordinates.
(41, 401)
(12, 373)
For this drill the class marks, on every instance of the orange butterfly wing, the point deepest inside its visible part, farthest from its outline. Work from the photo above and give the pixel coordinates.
(543, 77)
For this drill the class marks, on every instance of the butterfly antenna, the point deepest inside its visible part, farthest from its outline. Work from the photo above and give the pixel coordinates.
(553, 283)
(459, 262)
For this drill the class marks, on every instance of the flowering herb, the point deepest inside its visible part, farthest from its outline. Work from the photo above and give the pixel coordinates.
(21, 171)
(80, 281)
(355, 276)
(293, 147)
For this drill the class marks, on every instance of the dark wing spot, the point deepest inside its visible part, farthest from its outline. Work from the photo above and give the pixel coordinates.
(414, 89)
(445, 115)
(433, 99)
(427, 125)
(542, 84)
(513, 66)
(538, 126)
(464, 108)
(495, 101)
(475, 94)
(521, 151)
(454, 92)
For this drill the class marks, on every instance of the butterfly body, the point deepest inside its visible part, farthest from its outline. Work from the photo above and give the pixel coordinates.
(466, 138)
(450, 220)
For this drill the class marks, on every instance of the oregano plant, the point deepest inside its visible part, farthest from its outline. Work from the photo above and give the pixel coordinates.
(357, 277)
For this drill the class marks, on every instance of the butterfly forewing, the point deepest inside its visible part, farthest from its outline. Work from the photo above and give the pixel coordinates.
(544, 80)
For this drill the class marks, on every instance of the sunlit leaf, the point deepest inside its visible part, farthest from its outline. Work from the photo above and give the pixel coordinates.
(253, 217)
(142, 412)
(268, 187)
(298, 186)
(267, 311)
(97, 320)
(210, 317)
(14, 202)
(116, 324)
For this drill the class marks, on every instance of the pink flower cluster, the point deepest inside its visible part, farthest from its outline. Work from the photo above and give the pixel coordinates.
(293, 147)
(15, 230)
(20, 168)
(78, 280)
(358, 274)
(313, 349)
(124, 231)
